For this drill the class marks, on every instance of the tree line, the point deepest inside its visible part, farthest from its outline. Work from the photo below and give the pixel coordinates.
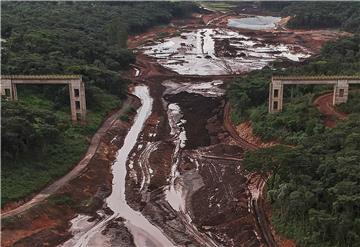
(314, 187)
(322, 14)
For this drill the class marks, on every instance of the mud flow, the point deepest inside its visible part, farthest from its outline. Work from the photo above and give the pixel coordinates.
(218, 51)
(196, 110)
(178, 179)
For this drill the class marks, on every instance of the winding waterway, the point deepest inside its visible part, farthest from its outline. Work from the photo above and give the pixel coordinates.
(144, 233)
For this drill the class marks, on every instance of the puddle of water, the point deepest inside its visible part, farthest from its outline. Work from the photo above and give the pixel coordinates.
(146, 170)
(144, 233)
(194, 53)
(137, 72)
(207, 89)
(176, 125)
(254, 23)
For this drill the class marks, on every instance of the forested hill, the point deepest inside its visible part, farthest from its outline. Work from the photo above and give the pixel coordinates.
(310, 15)
(39, 143)
(314, 188)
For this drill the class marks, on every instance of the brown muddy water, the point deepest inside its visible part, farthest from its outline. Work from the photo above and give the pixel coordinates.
(142, 231)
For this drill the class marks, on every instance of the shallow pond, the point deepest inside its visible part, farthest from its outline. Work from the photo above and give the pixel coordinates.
(254, 23)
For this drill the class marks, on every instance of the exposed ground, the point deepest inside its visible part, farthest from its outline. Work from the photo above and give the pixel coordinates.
(184, 173)
(245, 131)
(324, 103)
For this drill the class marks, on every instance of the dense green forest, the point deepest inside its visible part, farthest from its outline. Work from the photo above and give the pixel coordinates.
(39, 142)
(314, 188)
(344, 15)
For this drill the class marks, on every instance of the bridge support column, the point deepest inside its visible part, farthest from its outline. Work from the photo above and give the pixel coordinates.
(341, 92)
(7, 89)
(276, 92)
(14, 91)
(77, 100)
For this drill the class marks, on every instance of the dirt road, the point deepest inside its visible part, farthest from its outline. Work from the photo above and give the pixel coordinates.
(324, 103)
(232, 130)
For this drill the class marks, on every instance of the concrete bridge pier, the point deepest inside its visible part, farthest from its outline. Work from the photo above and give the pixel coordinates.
(77, 100)
(276, 96)
(7, 89)
(341, 92)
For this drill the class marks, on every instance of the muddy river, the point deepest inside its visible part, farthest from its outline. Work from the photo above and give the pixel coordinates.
(143, 232)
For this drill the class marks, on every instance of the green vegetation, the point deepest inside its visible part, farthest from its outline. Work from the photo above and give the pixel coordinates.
(314, 187)
(299, 119)
(249, 94)
(353, 104)
(319, 14)
(39, 142)
(219, 6)
(61, 199)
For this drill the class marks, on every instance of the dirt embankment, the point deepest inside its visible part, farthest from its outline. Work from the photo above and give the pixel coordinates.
(160, 32)
(245, 132)
(47, 223)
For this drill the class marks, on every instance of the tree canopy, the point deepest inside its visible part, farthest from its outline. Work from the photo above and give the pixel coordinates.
(322, 14)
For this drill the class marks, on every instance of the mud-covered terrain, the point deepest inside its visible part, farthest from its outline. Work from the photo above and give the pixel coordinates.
(177, 177)
(217, 51)
(204, 201)
(197, 110)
